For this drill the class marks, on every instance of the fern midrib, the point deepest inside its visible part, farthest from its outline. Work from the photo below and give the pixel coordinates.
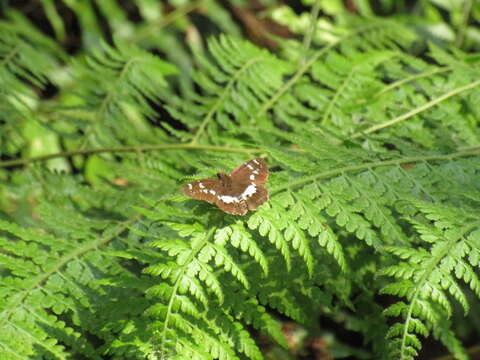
(51, 349)
(408, 318)
(11, 54)
(419, 183)
(266, 106)
(10, 350)
(180, 275)
(113, 89)
(360, 167)
(220, 100)
(303, 69)
(307, 40)
(410, 78)
(339, 91)
(129, 148)
(166, 20)
(386, 218)
(417, 110)
(434, 262)
(101, 112)
(39, 279)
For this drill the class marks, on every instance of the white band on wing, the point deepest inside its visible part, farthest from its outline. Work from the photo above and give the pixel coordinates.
(249, 191)
(229, 199)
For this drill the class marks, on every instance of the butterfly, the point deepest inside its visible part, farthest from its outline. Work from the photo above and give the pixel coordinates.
(236, 193)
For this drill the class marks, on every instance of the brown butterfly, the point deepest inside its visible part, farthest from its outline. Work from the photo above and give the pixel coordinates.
(236, 193)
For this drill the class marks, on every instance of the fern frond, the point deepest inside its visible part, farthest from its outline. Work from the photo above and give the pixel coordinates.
(268, 227)
(202, 265)
(119, 81)
(238, 237)
(21, 59)
(36, 292)
(28, 60)
(235, 83)
(427, 276)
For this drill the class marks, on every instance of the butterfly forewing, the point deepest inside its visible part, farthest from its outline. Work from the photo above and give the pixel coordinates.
(255, 171)
(206, 189)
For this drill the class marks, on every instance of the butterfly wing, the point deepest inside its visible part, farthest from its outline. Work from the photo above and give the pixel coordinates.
(257, 198)
(207, 190)
(234, 207)
(253, 171)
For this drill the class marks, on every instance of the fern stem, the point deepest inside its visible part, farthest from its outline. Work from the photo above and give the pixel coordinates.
(167, 20)
(339, 91)
(353, 168)
(427, 273)
(293, 79)
(131, 148)
(408, 79)
(409, 316)
(102, 111)
(303, 69)
(41, 278)
(212, 111)
(192, 255)
(11, 55)
(417, 110)
(13, 353)
(467, 7)
(311, 31)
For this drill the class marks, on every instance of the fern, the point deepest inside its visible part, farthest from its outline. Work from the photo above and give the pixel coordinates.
(450, 234)
(373, 156)
(239, 79)
(122, 102)
(28, 59)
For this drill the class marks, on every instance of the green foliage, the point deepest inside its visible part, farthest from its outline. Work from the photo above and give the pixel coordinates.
(428, 275)
(374, 157)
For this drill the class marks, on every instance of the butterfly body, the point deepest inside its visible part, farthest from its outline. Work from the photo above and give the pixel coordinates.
(236, 193)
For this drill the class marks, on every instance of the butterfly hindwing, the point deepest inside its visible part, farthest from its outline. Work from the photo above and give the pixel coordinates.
(257, 198)
(234, 208)
(242, 197)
